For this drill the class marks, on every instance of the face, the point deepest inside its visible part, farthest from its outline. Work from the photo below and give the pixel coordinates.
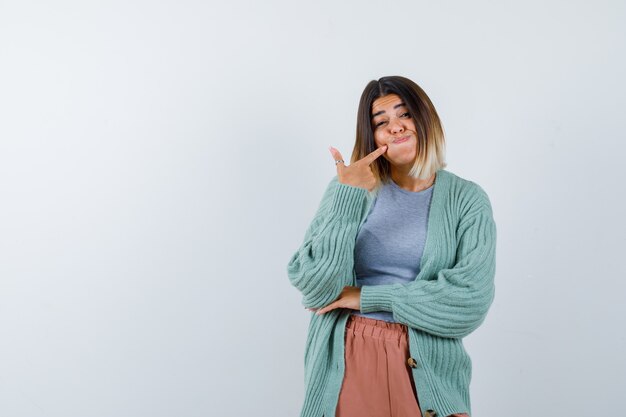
(394, 127)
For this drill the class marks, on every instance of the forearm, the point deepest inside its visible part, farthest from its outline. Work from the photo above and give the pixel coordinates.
(324, 263)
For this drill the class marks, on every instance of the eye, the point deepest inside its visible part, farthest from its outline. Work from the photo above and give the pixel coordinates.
(407, 114)
(379, 124)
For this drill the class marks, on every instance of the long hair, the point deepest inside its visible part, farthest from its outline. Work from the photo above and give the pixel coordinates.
(430, 134)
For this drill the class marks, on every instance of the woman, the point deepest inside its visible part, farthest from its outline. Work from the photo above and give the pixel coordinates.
(398, 265)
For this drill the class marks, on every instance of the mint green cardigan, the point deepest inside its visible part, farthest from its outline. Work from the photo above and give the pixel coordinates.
(448, 299)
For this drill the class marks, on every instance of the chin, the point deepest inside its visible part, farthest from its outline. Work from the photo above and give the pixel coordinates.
(402, 159)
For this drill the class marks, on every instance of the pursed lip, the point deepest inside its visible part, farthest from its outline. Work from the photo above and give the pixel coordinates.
(399, 139)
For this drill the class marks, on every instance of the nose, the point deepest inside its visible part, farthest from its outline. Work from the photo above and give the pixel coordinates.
(396, 126)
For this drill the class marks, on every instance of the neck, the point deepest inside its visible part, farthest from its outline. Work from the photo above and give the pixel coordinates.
(411, 184)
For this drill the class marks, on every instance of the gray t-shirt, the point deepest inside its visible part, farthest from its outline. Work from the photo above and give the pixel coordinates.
(390, 243)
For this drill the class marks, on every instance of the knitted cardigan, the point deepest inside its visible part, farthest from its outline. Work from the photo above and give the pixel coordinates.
(448, 299)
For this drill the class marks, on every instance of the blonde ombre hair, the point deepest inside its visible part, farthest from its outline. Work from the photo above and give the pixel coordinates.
(430, 134)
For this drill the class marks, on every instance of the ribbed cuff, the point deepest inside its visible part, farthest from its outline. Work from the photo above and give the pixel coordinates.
(348, 201)
(376, 297)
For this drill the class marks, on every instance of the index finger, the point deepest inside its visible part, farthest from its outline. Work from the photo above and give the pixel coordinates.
(369, 158)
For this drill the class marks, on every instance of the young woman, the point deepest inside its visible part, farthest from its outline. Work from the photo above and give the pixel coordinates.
(396, 267)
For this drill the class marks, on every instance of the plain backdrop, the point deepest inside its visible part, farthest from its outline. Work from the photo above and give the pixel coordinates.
(161, 160)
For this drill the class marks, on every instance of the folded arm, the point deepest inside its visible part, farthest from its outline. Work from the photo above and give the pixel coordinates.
(456, 301)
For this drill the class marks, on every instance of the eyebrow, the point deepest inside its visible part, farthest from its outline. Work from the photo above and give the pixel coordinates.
(382, 111)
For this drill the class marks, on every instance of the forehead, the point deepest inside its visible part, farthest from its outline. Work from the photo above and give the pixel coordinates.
(385, 102)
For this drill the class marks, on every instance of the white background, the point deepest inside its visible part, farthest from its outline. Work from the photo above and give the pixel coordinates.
(161, 160)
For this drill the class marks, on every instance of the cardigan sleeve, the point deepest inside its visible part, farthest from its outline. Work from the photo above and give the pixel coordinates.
(323, 264)
(456, 301)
